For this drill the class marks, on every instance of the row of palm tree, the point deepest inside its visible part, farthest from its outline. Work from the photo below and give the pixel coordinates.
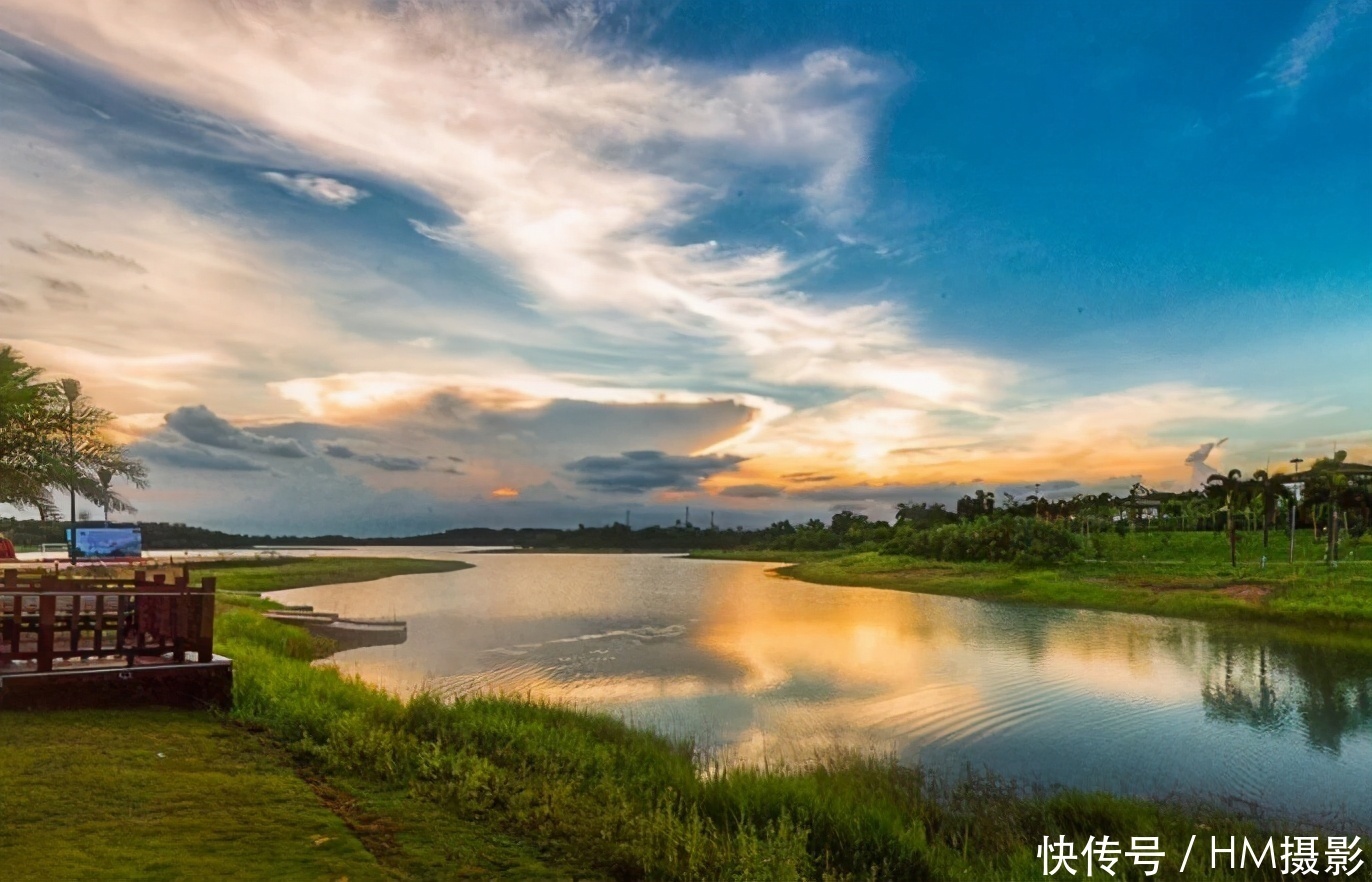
(1331, 490)
(1325, 491)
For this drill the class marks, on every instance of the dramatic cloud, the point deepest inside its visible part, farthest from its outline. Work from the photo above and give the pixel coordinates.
(752, 491)
(327, 191)
(385, 463)
(640, 471)
(510, 123)
(194, 456)
(201, 425)
(391, 463)
(807, 477)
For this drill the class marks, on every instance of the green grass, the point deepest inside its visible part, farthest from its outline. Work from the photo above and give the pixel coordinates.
(160, 794)
(279, 574)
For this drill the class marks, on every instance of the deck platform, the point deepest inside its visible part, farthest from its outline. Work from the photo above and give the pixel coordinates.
(103, 642)
(189, 684)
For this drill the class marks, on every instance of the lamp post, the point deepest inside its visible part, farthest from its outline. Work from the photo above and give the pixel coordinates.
(1296, 497)
(72, 390)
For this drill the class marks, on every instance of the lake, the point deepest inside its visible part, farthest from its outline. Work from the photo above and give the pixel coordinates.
(759, 668)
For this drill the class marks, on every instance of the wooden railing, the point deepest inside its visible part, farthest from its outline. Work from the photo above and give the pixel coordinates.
(48, 619)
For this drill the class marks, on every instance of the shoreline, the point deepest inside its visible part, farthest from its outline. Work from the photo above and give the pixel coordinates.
(1304, 597)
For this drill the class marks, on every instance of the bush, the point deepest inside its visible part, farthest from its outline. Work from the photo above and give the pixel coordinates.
(1022, 541)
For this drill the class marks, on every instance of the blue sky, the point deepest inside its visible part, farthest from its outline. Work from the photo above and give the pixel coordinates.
(542, 262)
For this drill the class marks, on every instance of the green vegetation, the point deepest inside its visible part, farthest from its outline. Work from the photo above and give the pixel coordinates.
(160, 794)
(281, 573)
(52, 436)
(1021, 541)
(1333, 498)
(1172, 574)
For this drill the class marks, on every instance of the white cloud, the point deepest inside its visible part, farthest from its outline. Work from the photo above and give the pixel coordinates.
(1290, 66)
(571, 168)
(328, 191)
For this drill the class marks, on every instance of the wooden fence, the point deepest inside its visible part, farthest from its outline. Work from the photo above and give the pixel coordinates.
(48, 619)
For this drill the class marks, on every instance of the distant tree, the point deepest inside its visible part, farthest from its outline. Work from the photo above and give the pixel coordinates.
(1327, 491)
(1232, 489)
(845, 522)
(923, 516)
(1267, 489)
(980, 505)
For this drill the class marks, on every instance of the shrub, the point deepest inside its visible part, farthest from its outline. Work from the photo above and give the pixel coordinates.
(1023, 541)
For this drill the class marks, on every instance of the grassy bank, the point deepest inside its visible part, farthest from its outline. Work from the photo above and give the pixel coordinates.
(489, 787)
(1161, 575)
(279, 574)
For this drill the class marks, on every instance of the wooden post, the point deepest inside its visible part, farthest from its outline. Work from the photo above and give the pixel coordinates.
(9, 633)
(98, 643)
(181, 620)
(75, 623)
(17, 624)
(47, 614)
(123, 616)
(204, 644)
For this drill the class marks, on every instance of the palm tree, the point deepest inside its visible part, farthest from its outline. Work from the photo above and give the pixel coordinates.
(52, 436)
(1231, 488)
(25, 427)
(1269, 488)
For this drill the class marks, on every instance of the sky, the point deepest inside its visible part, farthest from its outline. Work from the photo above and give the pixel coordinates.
(393, 266)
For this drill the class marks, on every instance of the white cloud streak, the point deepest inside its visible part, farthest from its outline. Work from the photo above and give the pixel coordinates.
(324, 190)
(1291, 64)
(572, 169)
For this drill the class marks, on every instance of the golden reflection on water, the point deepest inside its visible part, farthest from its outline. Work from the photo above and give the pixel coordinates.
(758, 669)
(822, 666)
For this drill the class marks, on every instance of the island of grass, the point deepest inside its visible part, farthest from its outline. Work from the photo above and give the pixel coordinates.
(315, 775)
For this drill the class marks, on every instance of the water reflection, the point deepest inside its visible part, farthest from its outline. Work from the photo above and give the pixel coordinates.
(762, 669)
(1239, 699)
(1329, 690)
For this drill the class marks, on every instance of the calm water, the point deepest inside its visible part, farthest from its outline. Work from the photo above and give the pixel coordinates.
(762, 668)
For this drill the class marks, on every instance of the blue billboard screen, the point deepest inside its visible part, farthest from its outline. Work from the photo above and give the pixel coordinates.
(109, 542)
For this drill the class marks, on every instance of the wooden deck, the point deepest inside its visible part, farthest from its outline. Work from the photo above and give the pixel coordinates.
(94, 642)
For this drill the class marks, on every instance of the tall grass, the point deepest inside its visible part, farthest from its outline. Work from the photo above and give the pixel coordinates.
(631, 804)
